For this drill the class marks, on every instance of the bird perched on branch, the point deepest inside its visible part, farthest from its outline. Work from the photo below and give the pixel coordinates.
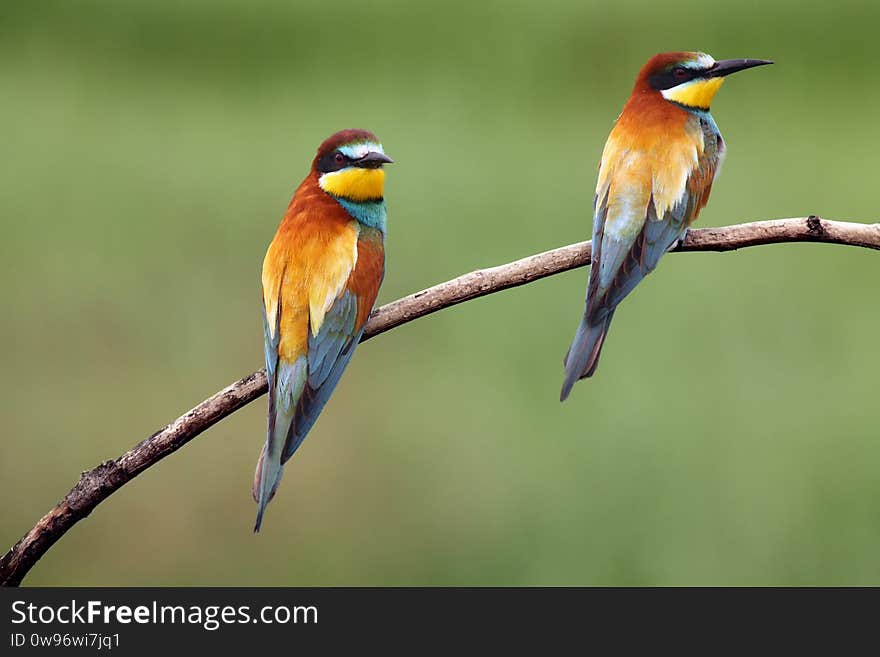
(321, 275)
(655, 176)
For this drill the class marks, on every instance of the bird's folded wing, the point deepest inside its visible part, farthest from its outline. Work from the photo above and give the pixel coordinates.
(308, 320)
(638, 219)
(332, 346)
(328, 354)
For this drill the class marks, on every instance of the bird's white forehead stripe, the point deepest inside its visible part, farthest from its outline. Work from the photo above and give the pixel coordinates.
(703, 61)
(356, 151)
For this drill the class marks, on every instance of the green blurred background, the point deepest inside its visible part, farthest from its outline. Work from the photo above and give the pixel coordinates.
(149, 150)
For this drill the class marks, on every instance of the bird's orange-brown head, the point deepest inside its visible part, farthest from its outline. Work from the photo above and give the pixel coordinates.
(688, 79)
(349, 166)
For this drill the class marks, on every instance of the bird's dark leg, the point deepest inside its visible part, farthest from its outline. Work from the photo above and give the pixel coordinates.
(676, 245)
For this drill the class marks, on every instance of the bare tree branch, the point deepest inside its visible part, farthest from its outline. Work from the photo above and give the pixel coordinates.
(96, 485)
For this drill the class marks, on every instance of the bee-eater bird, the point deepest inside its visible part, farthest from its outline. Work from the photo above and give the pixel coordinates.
(655, 176)
(321, 275)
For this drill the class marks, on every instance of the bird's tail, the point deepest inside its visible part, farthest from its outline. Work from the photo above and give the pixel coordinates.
(266, 479)
(582, 358)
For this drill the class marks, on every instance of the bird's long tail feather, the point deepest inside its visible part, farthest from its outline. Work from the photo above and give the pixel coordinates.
(266, 480)
(582, 358)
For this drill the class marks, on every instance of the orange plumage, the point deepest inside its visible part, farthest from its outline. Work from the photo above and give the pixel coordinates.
(315, 251)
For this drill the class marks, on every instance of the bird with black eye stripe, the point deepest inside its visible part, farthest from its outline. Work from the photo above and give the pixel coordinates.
(338, 160)
(655, 176)
(321, 275)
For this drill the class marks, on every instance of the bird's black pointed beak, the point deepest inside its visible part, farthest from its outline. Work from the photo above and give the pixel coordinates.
(728, 66)
(373, 160)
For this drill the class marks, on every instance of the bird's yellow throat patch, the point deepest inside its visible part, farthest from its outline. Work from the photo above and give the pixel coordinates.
(354, 183)
(697, 93)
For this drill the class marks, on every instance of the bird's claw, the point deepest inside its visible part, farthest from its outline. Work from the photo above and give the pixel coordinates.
(677, 244)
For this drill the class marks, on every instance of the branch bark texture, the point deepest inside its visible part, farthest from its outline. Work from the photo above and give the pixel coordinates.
(94, 486)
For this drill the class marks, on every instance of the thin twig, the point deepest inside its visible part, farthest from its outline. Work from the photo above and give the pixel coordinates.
(96, 485)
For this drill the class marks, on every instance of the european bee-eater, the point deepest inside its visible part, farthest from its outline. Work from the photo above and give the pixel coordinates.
(655, 176)
(321, 275)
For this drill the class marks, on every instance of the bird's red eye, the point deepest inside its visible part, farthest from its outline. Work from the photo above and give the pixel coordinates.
(679, 73)
(339, 158)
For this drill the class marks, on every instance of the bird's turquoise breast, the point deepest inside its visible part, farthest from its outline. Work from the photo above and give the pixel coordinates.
(712, 141)
(368, 213)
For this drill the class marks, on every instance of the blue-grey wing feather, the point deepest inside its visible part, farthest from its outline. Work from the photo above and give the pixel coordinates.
(329, 352)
